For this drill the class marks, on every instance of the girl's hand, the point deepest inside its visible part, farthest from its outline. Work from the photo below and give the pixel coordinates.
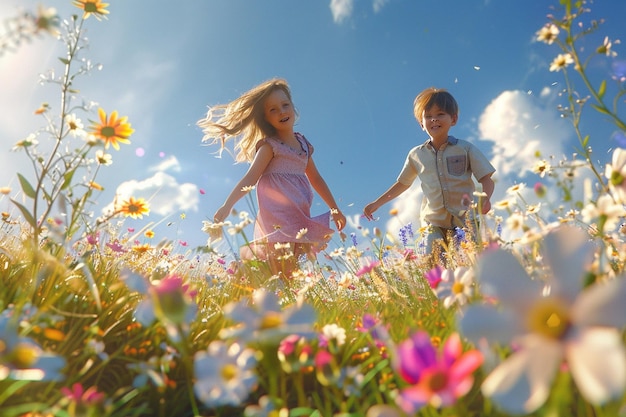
(221, 214)
(338, 218)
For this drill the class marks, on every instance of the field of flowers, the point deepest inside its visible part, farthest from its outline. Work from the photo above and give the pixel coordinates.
(95, 323)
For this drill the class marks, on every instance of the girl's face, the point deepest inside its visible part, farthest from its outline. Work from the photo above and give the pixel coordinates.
(437, 123)
(279, 111)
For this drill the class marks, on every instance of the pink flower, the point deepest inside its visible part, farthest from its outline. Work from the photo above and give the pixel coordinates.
(79, 395)
(434, 276)
(540, 190)
(367, 268)
(435, 378)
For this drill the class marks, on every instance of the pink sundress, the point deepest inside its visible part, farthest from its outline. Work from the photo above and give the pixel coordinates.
(284, 196)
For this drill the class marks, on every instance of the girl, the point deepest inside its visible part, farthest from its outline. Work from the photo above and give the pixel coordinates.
(282, 169)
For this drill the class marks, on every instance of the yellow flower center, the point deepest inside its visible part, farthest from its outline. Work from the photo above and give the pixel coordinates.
(91, 7)
(549, 317)
(616, 178)
(271, 320)
(457, 288)
(229, 372)
(107, 132)
(24, 355)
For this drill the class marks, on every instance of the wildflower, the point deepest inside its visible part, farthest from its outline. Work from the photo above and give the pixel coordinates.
(605, 48)
(393, 212)
(23, 359)
(214, 229)
(265, 320)
(548, 34)
(606, 211)
(224, 374)
(95, 7)
(332, 333)
(149, 234)
(47, 20)
(112, 130)
(550, 324)
(75, 125)
(542, 168)
(5, 190)
(294, 353)
(142, 248)
(115, 246)
(248, 188)
(435, 378)
(81, 396)
(103, 158)
(25, 143)
(560, 62)
(516, 189)
(94, 185)
(434, 276)
(540, 190)
(265, 408)
(615, 172)
(367, 268)
(458, 286)
(172, 300)
(134, 208)
(42, 109)
(516, 221)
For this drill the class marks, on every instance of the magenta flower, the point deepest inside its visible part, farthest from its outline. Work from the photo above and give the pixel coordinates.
(367, 268)
(81, 396)
(435, 378)
(434, 276)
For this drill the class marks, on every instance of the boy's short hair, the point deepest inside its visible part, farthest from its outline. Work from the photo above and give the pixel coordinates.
(434, 96)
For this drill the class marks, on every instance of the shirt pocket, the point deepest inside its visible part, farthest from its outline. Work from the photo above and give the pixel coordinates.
(456, 165)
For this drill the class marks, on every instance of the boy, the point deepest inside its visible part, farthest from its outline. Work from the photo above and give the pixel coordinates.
(444, 165)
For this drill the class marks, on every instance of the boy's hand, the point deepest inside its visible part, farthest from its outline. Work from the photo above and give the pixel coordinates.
(369, 210)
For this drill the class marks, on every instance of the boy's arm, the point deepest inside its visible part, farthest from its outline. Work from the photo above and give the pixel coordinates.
(395, 190)
(488, 187)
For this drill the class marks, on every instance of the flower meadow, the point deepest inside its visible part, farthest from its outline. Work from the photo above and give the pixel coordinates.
(527, 317)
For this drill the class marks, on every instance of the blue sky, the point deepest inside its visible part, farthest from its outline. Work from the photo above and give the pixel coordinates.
(354, 68)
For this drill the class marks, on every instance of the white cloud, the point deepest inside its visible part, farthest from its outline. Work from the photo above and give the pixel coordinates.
(162, 192)
(341, 9)
(379, 4)
(170, 163)
(519, 127)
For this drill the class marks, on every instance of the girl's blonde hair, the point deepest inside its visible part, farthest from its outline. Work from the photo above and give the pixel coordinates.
(243, 120)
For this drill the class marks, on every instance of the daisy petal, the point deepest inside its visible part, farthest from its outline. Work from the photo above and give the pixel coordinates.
(522, 383)
(602, 305)
(590, 357)
(483, 321)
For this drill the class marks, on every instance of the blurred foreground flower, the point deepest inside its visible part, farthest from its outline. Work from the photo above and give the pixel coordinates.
(266, 320)
(224, 374)
(435, 378)
(549, 324)
(23, 359)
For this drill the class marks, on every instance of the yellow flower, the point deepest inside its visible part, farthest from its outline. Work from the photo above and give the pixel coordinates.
(95, 7)
(112, 130)
(134, 208)
(142, 248)
(95, 186)
(149, 234)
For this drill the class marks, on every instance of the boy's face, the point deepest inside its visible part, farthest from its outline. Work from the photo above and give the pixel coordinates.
(437, 123)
